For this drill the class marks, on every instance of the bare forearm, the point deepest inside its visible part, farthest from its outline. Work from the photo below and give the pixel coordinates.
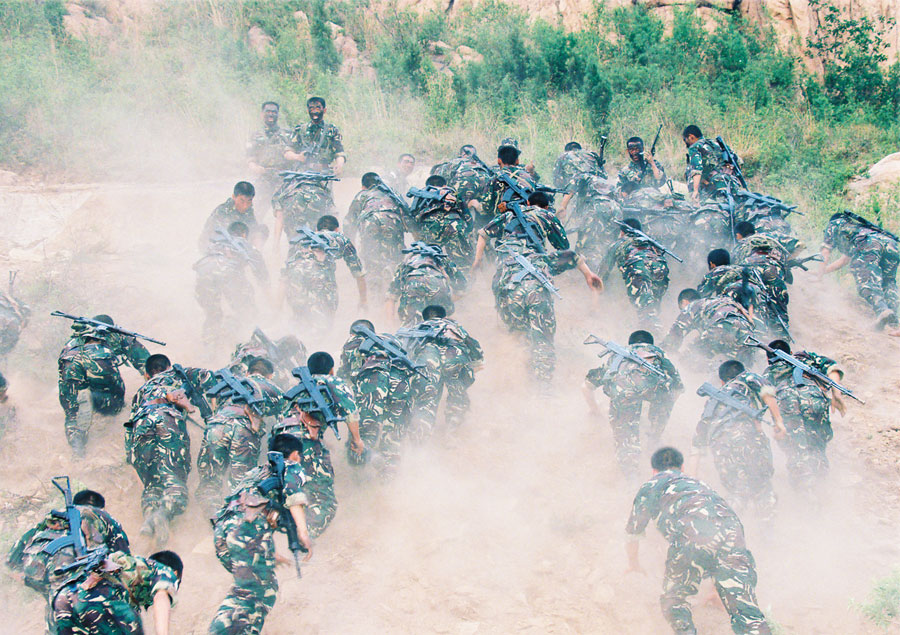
(162, 607)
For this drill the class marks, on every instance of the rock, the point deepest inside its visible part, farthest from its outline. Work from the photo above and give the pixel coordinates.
(346, 46)
(438, 47)
(468, 54)
(885, 172)
(259, 40)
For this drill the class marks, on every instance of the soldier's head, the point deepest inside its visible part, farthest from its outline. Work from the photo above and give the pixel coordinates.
(320, 363)
(631, 222)
(156, 364)
(467, 150)
(315, 106)
(434, 312)
(640, 337)
(435, 180)
(778, 345)
(743, 229)
(261, 366)
(327, 223)
(691, 135)
(238, 229)
(406, 163)
(667, 458)
(539, 199)
(242, 195)
(718, 258)
(366, 323)
(729, 370)
(369, 179)
(686, 297)
(572, 145)
(507, 155)
(171, 560)
(103, 317)
(635, 148)
(89, 497)
(270, 114)
(290, 446)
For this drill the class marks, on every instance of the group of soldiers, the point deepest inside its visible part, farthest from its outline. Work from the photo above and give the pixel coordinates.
(419, 249)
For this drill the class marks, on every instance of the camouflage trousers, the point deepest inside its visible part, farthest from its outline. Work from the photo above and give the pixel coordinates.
(456, 242)
(625, 419)
(530, 311)
(101, 609)
(427, 398)
(161, 455)
(875, 272)
(805, 411)
(419, 292)
(743, 458)
(98, 373)
(380, 260)
(230, 448)
(322, 505)
(246, 549)
(726, 560)
(724, 339)
(646, 284)
(384, 399)
(212, 291)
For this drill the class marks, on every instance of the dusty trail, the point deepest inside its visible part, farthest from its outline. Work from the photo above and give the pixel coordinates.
(513, 524)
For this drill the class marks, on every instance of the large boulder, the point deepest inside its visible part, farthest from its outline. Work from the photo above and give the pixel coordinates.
(884, 173)
(259, 40)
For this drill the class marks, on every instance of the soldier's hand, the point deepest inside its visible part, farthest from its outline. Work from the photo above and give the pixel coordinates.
(838, 404)
(595, 282)
(357, 446)
(695, 196)
(283, 561)
(780, 431)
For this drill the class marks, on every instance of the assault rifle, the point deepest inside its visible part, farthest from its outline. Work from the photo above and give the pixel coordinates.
(771, 303)
(72, 515)
(769, 202)
(387, 189)
(621, 353)
(240, 245)
(477, 161)
(526, 225)
(628, 229)
(395, 353)
(672, 193)
(655, 141)
(528, 269)
(859, 220)
(428, 250)
(273, 352)
(317, 399)
(313, 240)
(194, 395)
(718, 395)
(422, 198)
(290, 176)
(103, 327)
(732, 159)
(801, 262)
(88, 562)
(273, 489)
(800, 368)
(601, 162)
(237, 390)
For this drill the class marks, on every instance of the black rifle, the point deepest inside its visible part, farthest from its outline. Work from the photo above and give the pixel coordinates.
(732, 159)
(771, 303)
(422, 198)
(628, 229)
(319, 398)
(800, 368)
(194, 395)
(88, 562)
(768, 202)
(601, 162)
(801, 262)
(273, 489)
(672, 193)
(240, 245)
(525, 224)
(728, 400)
(237, 390)
(477, 161)
(103, 327)
(395, 353)
(72, 515)
(387, 189)
(859, 220)
(428, 250)
(621, 353)
(528, 269)
(313, 240)
(655, 141)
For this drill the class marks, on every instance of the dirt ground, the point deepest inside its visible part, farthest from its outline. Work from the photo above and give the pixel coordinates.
(515, 523)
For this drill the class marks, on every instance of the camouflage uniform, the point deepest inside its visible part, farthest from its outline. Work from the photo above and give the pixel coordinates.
(741, 451)
(722, 326)
(526, 306)
(322, 143)
(572, 165)
(223, 216)
(525, 180)
(245, 546)
(266, 149)
(90, 360)
(706, 540)
(628, 385)
(508, 234)
(767, 259)
(450, 356)
(730, 280)
(109, 599)
(705, 158)
(220, 274)
(157, 442)
(874, 257)
(804, 407)
(644, 270)
(286, 354)
(231, 441)
(638, 174)
(380, 224)
(592, 220)
(422, 280)
(309, 276)
(448, 224)
(302, 202)
(471, 182)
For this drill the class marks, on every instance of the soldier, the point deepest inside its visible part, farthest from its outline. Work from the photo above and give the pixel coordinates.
(265, 151)
(308, 277)
(243, 534)
(508, 160)
(628, 385)
(644, 270)
(233, 435)
(766, 260)
(444, 222)
(14, 316)
(707, 174)
(317, 145)
(426, 276)
(451, 357)
(706, 540)
(741, 451)
(529, 167)
(592, 219)
(238, 208)
(107, 596)
(722, 323)
(285, 354)
(510, 234)
(873, 255)
(379, 221)
(804, 403)
(157, 444)
(572, 166)
(221, 276)
(398, 177)
(734, 281)
(89, 379)
(643, 170)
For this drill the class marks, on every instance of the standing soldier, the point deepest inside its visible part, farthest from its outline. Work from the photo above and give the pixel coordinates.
(308, 277)
(397, 178)
(706, 174)
(444, 221)
(873, 255)
(265, 151)
(628, 384)
(426, 276)
(722, 322)
(89, 379)
(732, 427)
(243, 533)
(706, 540)
(317, 145)
(157, 443)
(643, 170)
(238, 208)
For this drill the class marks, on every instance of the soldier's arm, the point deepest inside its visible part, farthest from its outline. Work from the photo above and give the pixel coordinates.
(279, 229)
(681, 327)
(136, 353)
(772, 403)
(659, 174)
(587, 389)
(162, 609)
(299, 514)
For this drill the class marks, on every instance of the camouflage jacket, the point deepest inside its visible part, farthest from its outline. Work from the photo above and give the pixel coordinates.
(315, 457)
(140, 578)
(705, 158)
(337, 392)
(321, 142)
(620, 377)
(165, 392)
(748, 388)
(318, 263)
(450, 336)
(639, 174)
(631, 251)
(272, 404)
(498, 187)
(246, 496)
(687, 511)
(760, 249)
(448, 219)
(470, 181)
(266, 149)
(851, 239)
(508, 281)
(85, 340)
(286, 354)
(508, 233)
(377, 212)
(418, 266)
(356, 362)
(222, 217)
(781, 374)
(704, 313)
(227, 259)
(574, 164)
